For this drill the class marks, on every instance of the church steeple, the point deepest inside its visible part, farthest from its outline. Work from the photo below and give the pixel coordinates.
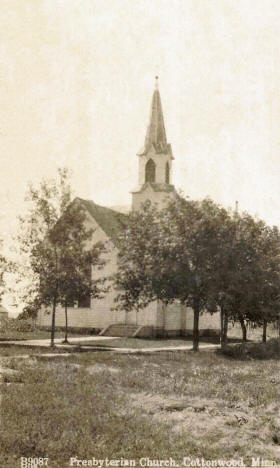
(156, 135)
(155, 161)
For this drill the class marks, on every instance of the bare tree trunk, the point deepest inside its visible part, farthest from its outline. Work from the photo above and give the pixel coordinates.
(264, 331)
(224, 329)
(222, 317)
(279, 329)
(53, 322)
(66, 323)
(244, 330)
(196, 325)
(164, 307)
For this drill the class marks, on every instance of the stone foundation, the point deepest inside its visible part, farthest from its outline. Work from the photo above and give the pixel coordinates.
(210, 332)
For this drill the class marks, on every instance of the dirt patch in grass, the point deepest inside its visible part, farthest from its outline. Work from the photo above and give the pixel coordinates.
(157, 403)
(101, 368)
(8, 375)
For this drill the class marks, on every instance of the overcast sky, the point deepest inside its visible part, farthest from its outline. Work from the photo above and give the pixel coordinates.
(76, 81)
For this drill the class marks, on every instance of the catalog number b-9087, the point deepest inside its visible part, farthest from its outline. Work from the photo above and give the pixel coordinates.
(31, 462)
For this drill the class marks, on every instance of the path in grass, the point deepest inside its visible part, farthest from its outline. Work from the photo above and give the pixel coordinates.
(142, 343)
(14, 349)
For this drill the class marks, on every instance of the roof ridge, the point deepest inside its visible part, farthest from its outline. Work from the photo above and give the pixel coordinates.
(109, 220)
(100, 206)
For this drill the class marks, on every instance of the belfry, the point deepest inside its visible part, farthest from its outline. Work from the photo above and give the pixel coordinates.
(154, 161)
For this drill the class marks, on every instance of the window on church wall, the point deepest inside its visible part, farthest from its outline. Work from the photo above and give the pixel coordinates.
(150, 171)
(84, 298)
(84, 301)
(167, 173)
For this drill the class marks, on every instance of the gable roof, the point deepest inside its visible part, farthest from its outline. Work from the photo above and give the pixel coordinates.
(111, 222)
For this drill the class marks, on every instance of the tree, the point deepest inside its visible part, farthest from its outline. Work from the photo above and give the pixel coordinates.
(52, 233)
(201, 255)
(239, 287)
(249, 284)
(76, 259)
(30, 310)
(171, 255)
(269, 284)
(199, 231)
(143, 274)
(223, 267)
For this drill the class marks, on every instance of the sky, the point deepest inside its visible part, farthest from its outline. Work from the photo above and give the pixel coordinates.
(76, 82)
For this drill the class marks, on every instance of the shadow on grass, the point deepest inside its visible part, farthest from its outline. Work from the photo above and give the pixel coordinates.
(252, 351)
(10, 350)
(12, 339)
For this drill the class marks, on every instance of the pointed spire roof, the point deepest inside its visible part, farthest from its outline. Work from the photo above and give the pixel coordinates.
(156, 135)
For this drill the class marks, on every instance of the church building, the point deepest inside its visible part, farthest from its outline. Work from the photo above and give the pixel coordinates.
(155, 162)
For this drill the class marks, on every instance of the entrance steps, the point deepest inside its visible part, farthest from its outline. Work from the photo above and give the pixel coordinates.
(126, 330)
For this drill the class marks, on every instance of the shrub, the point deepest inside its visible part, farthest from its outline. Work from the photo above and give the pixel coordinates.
(16, 325)
(269, 350)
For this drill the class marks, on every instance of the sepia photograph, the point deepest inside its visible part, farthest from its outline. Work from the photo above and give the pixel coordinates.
(139, 233)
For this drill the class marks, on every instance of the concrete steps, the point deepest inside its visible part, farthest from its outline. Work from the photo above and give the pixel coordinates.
(119, 329)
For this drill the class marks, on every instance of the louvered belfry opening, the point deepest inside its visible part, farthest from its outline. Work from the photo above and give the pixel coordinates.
(150, 171)
(167, 173)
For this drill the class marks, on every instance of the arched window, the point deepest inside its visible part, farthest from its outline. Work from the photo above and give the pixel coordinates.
(150, 171)
(167, 173)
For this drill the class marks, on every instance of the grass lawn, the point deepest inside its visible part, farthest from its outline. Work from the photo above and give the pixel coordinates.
(173, 404)
(13, 350)
(33, 335)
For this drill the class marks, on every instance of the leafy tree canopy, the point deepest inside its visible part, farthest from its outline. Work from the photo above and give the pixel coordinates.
(56, 243)
(202, 255)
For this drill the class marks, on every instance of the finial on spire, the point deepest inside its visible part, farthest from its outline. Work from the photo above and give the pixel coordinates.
(156, 82)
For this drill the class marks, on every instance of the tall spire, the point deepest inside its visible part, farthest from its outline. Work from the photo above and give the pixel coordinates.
(154, 162)
(156, 135)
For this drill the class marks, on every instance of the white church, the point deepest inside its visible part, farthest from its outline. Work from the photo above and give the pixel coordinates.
(155, 161)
